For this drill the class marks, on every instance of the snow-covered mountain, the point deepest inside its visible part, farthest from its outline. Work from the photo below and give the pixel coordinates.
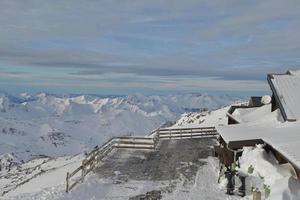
(52, 125)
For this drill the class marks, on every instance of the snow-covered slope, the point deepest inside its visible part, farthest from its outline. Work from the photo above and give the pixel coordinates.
(37, 175)
(51, 125)
(203, 119)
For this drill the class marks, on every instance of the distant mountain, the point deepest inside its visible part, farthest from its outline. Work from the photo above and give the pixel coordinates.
(52, 125)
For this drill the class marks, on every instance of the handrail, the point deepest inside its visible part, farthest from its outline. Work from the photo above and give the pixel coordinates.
(89, 163)
(182, 129)
(187, 134)
(186, 131)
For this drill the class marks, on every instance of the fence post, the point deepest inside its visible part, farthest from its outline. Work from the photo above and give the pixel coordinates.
(93, 164)
(256, 195)
(83, 169)
(67, 182)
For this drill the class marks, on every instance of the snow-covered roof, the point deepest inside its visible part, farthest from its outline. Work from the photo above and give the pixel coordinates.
(255, 114)
(286, 89)
(285, 137)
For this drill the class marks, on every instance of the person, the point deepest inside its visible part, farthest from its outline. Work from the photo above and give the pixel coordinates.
(229, 175)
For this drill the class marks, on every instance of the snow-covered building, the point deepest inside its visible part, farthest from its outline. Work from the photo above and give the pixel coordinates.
(254, 102)
(286, 94)
(275, 122)
(285, 97)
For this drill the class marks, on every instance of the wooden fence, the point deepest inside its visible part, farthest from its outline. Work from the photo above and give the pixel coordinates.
(148, 142)
(89, 163)
(181, 133)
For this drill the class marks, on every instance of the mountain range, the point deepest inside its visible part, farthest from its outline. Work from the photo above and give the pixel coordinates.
(47, 125)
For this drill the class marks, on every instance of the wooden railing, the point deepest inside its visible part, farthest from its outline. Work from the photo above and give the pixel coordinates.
(89, 163)
(148, 142)
(180, 133)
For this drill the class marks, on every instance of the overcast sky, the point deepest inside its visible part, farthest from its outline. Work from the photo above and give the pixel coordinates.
(137, 46)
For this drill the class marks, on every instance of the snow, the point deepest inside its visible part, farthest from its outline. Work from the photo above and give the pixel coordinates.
(55, 126)
(37, 175)
(267, 172)
(7, 161)
(264, 165)
(52, 125)
(286, 87)
(257, 115)
(259, 123)
(38, 131)
(204, 187)
(284, 137)
(203, 119)
(47, 175)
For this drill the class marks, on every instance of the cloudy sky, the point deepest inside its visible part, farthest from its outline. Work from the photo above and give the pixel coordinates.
(138, 46)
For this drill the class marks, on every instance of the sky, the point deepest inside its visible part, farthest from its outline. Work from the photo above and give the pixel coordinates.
(138, 46)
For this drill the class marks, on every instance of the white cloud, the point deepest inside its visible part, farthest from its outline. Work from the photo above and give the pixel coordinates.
(233, 40)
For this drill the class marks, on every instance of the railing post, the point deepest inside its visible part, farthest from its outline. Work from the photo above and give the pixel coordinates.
(67, 182)
(256, 195)
(93, 165)
(83, 169)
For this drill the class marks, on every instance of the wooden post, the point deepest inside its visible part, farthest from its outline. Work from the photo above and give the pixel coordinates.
(256, 195)
(83, 168)
(67, 182)
(93, 164)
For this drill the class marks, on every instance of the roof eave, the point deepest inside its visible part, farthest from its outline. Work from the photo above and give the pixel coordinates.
(283, 113)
